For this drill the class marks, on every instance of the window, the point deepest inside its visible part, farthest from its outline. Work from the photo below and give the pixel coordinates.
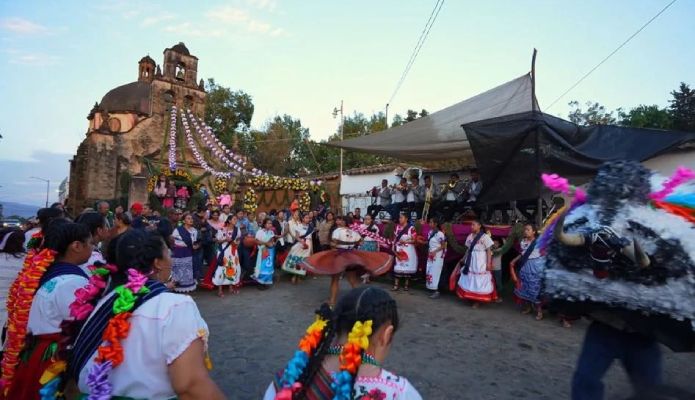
(168, 97)
(180, 71)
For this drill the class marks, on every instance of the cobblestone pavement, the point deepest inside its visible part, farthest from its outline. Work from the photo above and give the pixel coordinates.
(445, 348)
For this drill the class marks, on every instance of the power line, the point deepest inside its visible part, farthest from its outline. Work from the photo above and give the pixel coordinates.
(611, 54)
(418, 46)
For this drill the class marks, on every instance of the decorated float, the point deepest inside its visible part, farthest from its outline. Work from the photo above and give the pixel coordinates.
(219, 174)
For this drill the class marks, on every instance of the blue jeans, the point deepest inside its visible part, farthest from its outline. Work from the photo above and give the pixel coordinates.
(640, 356)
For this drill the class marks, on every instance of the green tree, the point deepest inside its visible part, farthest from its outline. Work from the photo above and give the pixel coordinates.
(281, 149)
(644, 116)
(229, 113)
(683, 108)
(411, 115)
(595, 114)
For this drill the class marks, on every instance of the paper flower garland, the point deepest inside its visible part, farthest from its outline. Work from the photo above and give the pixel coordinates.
(172, 139)
(196, 154)
(220, 184)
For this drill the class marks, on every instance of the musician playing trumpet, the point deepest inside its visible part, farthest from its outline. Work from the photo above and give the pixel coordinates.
(398, 193)
(452, 196)
(431, 196)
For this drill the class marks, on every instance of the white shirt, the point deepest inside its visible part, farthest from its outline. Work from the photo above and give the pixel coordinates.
(390, 386)
(28, 234)
(178, 241)
(51, 305)
(397, 196)
(435, 242)
(95, 257)
(160, 331)
(346, 235)
(9, 269)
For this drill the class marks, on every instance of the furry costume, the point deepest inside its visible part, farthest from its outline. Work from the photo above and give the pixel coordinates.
(623, 253)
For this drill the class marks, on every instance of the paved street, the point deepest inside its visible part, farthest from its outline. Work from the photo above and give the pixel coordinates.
(446, 349)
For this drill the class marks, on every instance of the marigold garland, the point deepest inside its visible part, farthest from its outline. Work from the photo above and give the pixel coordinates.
(295, 367)
(250, 201)
(20, 298)
(305, 202)
(351, 359)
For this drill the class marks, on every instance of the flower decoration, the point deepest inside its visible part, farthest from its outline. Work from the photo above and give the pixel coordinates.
(305, 202)
(196, 154)
(307, 347)
(20, 298)
(220, 184)
(250, 201)
(559, 184)
(679, 177)
(172, 139)
(110, 353)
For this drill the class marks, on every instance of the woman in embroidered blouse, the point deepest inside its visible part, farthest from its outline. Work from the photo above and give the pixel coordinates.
(301, 249)
(265, 261)
(528, 284)
(70, 245)
(476, 282)
(365, 305)
(435, 257)
(406, 254)
(166, 346)
(185, 241)
(228, 272)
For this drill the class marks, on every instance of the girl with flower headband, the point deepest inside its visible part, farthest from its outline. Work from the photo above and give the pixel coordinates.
(38, 303)
(341, 355)
(140, 341)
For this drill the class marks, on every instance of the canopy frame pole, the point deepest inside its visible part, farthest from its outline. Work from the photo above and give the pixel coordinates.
(539, 204)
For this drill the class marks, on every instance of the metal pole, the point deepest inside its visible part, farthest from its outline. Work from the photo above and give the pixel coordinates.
(387, 116)
(539, 205)
(48, 189)
(342, 125)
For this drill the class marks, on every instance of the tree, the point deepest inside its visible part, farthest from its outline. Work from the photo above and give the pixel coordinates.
(228, 113)
(595, 114)
(411, 115)
(683, 108)
(644, 116)
(281, 149)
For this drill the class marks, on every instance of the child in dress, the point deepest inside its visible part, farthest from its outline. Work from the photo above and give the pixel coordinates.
(361, 328)
(182, 197)
(225, 199)
(170, 196)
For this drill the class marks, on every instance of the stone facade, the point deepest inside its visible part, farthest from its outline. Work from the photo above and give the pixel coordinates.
(130, 124)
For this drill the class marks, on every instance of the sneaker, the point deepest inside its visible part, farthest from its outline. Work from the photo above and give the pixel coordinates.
(434, 295)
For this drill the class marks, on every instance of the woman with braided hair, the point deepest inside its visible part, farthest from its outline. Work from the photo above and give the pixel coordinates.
(341, 355)
(37, 305)
(140, 341)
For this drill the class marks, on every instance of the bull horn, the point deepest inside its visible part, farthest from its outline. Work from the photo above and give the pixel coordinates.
(568, 239)
(637, 255)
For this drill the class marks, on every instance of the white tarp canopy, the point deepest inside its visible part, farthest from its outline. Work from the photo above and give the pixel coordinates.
(439, 136)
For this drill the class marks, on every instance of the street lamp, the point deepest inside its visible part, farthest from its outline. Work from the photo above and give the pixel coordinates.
(342, 125)
(48, 186)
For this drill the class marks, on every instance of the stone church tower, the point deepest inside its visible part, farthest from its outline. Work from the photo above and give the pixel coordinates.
(129, 128)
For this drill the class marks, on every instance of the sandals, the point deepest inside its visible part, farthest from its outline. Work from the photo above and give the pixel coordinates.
(395, 288)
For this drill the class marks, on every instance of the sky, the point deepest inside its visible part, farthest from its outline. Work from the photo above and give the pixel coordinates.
(302, 57)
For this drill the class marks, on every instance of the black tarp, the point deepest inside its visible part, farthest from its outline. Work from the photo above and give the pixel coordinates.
(505, 151)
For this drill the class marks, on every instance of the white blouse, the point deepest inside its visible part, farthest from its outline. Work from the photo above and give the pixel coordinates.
(346, 235)
(160, 331)
(178, 241)
(51, 305)
(385, 386)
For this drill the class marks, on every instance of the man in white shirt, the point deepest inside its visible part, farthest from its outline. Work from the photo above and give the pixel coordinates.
(398, 198)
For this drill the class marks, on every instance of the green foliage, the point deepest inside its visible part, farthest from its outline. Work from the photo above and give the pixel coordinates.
(595, 114)
(683, 108)
(644, 116)
(411, 115)
(229, 113)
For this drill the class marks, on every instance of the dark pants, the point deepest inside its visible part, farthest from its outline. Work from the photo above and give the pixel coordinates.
(415, 207)
(395, 210)
(373, 210)
(198, 263)
(640, 356)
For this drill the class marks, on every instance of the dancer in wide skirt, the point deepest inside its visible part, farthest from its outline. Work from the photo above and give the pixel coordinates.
(228, 271)
(406, 254)
(301, 249)
(475, 282)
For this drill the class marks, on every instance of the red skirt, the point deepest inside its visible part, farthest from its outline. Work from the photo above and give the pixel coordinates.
(333, 262)
(39, 353)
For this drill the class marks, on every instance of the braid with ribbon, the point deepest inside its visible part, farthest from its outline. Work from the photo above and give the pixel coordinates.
(351, 359)
(302, 367)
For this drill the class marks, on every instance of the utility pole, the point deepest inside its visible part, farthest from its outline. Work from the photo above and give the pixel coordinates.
(387, 116)
(336, 111)
(48, 186)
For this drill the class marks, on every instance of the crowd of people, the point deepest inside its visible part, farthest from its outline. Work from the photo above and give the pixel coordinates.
(91, 302)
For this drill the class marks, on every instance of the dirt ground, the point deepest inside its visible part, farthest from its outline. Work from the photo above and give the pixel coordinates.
(445, 348)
